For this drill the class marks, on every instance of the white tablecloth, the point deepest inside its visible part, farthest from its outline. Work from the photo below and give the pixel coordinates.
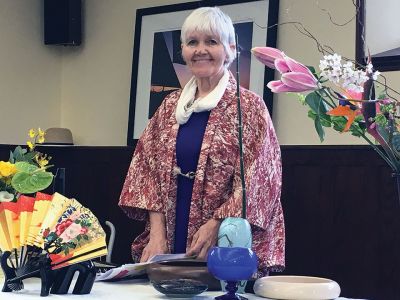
(121, 290)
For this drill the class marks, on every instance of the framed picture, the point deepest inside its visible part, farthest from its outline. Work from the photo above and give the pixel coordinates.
(377, 34)
(158, 67)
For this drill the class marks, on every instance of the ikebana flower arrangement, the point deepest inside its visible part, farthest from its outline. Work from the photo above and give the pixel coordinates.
(341, 96)
(26, 170)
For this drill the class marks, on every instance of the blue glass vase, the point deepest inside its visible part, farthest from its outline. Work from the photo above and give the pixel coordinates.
(231, 264)
(235, 232)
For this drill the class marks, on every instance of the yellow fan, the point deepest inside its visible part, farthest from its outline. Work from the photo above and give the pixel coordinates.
(54, 225)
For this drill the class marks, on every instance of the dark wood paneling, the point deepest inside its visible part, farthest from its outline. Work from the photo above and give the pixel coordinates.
(341, 211)
(342, 219)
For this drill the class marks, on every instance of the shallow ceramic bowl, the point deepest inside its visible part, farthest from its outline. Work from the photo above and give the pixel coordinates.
(296, 288)
(182, 269)
(180, 288)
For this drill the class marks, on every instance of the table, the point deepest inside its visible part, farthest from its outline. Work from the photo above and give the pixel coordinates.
(121, 290)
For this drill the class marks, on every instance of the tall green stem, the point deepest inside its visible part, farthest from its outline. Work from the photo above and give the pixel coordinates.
(240, 131)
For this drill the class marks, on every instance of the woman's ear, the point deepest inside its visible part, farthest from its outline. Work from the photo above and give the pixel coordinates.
(233, 47)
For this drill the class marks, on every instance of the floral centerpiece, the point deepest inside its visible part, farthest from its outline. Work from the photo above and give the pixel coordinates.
(26, 170)
(342, 96)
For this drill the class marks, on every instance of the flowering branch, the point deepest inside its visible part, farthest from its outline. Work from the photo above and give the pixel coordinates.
(352, 107)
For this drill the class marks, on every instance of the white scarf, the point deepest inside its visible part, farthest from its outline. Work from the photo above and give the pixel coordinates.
(187, 104)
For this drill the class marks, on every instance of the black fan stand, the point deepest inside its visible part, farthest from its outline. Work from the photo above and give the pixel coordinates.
(53, 281)
(9, 273)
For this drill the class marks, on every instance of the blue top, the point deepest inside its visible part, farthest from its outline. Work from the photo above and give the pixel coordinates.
(188, 146)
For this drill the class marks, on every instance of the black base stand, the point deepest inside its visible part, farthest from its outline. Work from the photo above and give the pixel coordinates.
(231, 288)
(9, 273)
(84, 283)
(52, 281)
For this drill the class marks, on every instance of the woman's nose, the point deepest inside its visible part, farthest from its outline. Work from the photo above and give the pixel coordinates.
(201, 49)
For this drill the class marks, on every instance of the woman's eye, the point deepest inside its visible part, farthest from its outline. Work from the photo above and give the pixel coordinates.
(212, 42)
(192, 43)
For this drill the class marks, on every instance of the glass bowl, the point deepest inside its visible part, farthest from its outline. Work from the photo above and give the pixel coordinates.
(179, 288)
(183, 269)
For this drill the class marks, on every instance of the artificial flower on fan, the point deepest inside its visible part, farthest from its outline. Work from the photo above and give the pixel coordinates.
(342, 96)
(26, 170)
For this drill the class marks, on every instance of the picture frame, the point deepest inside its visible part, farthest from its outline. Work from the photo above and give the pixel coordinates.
(376, 35)
(164, 22)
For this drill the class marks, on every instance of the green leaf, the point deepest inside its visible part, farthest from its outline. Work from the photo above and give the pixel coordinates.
(318, 113)
(358, 127)
(29, 156)
(338, 123)
(325, 120)
(312, 70)
(11, 159)
(312, 115)
(41, 180)
(319, 129)
(28, 183)
(18, 154)
(316, 103)
(20, 182)
(26, 167)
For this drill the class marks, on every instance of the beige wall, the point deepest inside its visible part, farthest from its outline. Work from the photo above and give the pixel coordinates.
(30, 73)
(87, 88)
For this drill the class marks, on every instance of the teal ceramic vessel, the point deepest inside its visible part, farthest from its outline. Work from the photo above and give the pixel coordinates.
(234, 232)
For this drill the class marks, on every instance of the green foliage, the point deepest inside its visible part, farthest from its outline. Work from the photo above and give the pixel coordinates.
(21, 154)
(31, 182)
(358, 127)
(381, 120)
(26, 167)
(318, 113)
(301, 98)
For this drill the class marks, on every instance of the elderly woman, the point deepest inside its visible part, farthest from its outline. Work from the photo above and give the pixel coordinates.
(184, 178)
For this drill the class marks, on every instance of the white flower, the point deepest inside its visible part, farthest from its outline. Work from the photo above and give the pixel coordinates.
(375, 75)
(336, 58)
(344, 74)
(369, 68)
(6, 196)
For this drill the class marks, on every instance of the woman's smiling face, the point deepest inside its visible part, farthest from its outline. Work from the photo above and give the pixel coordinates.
(204, 54)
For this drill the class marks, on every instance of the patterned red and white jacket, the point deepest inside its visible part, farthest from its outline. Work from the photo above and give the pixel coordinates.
(151, 184)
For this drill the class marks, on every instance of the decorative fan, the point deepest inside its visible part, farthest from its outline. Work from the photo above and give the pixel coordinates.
(48, 231)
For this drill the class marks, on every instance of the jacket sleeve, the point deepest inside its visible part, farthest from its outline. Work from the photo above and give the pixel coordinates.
(141, 191)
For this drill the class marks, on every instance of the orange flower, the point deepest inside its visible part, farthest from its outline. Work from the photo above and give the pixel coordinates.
(344, 111)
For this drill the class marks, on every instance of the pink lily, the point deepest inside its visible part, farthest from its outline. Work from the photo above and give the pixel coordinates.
(287, 64)
(267, 55)
(296, 77)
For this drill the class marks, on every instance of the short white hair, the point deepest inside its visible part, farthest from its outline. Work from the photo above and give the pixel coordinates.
(211, 20)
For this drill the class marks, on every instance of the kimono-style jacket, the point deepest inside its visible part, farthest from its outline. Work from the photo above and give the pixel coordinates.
(217, 193)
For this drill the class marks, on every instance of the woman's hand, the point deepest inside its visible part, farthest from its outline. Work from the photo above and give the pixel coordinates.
(154, 247)
(158, 239)
(205, 238)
